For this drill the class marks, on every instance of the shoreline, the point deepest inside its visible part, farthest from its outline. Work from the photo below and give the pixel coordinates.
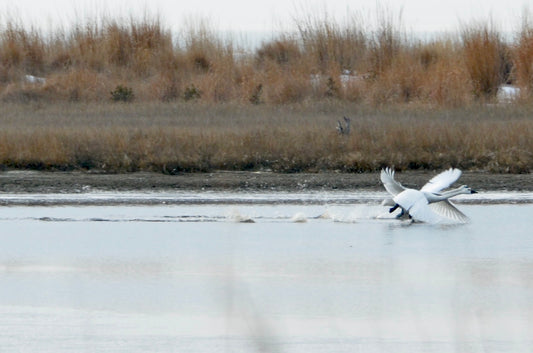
(77, 182)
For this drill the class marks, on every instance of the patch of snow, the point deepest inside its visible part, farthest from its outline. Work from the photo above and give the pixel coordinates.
(34, 79)
(345, 78)
(507, 93)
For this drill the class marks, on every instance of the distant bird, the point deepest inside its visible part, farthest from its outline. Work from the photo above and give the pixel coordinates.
(344, 129)
(428, 204)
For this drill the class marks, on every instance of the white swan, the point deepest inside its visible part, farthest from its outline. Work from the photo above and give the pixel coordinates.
(428, 204)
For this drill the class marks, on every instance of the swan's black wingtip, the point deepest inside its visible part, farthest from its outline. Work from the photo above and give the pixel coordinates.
(473, 191)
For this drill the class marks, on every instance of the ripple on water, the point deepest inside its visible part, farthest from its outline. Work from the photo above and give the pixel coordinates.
(239, 198)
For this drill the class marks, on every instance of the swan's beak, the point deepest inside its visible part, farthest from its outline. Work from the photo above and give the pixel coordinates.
(473, 191)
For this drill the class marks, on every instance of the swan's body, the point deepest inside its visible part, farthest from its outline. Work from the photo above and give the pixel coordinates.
(428, 204)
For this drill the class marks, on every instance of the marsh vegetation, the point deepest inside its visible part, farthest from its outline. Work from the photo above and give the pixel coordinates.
(176, 137)
(125, 95)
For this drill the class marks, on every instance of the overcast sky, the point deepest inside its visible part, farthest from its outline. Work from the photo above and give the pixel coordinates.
(271, 15)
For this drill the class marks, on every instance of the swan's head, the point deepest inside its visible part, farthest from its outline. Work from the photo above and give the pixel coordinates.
(466, 190)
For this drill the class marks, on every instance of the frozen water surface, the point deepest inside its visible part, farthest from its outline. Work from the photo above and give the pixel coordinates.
(262, 272)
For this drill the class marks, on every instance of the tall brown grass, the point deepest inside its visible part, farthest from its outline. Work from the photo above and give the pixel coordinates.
(485, 58)
(352, 60)
(523, 57)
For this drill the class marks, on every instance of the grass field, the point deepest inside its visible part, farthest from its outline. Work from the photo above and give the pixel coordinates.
(186, 137)
(121, 95)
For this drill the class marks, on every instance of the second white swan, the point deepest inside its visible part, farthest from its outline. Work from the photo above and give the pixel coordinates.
(428, 204)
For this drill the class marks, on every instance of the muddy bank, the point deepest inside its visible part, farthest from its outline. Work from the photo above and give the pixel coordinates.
(69, 182)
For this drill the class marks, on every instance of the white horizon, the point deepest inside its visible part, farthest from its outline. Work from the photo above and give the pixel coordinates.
(244, 16)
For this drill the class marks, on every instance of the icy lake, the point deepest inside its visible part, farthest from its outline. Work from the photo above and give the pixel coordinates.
(314, 272)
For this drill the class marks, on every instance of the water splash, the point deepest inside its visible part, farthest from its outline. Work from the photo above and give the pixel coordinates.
(355, 214)
(299, 217)
(325, 215)
(235, 215)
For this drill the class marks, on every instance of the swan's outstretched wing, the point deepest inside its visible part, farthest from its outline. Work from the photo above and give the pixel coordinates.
(422, 212)
(392, 186)
(442, 180)
(388, 202)
(448, 210)
(416, 203)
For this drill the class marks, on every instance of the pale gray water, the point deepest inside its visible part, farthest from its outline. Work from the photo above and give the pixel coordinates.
(179, 273)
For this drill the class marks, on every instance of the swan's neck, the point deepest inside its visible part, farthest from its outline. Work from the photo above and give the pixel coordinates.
(445, 195)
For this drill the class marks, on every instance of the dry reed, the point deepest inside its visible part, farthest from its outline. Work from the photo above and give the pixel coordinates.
(355, 61)
(523, 58)
(485, 58)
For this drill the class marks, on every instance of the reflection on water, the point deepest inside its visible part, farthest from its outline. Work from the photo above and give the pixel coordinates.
(153, 277)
